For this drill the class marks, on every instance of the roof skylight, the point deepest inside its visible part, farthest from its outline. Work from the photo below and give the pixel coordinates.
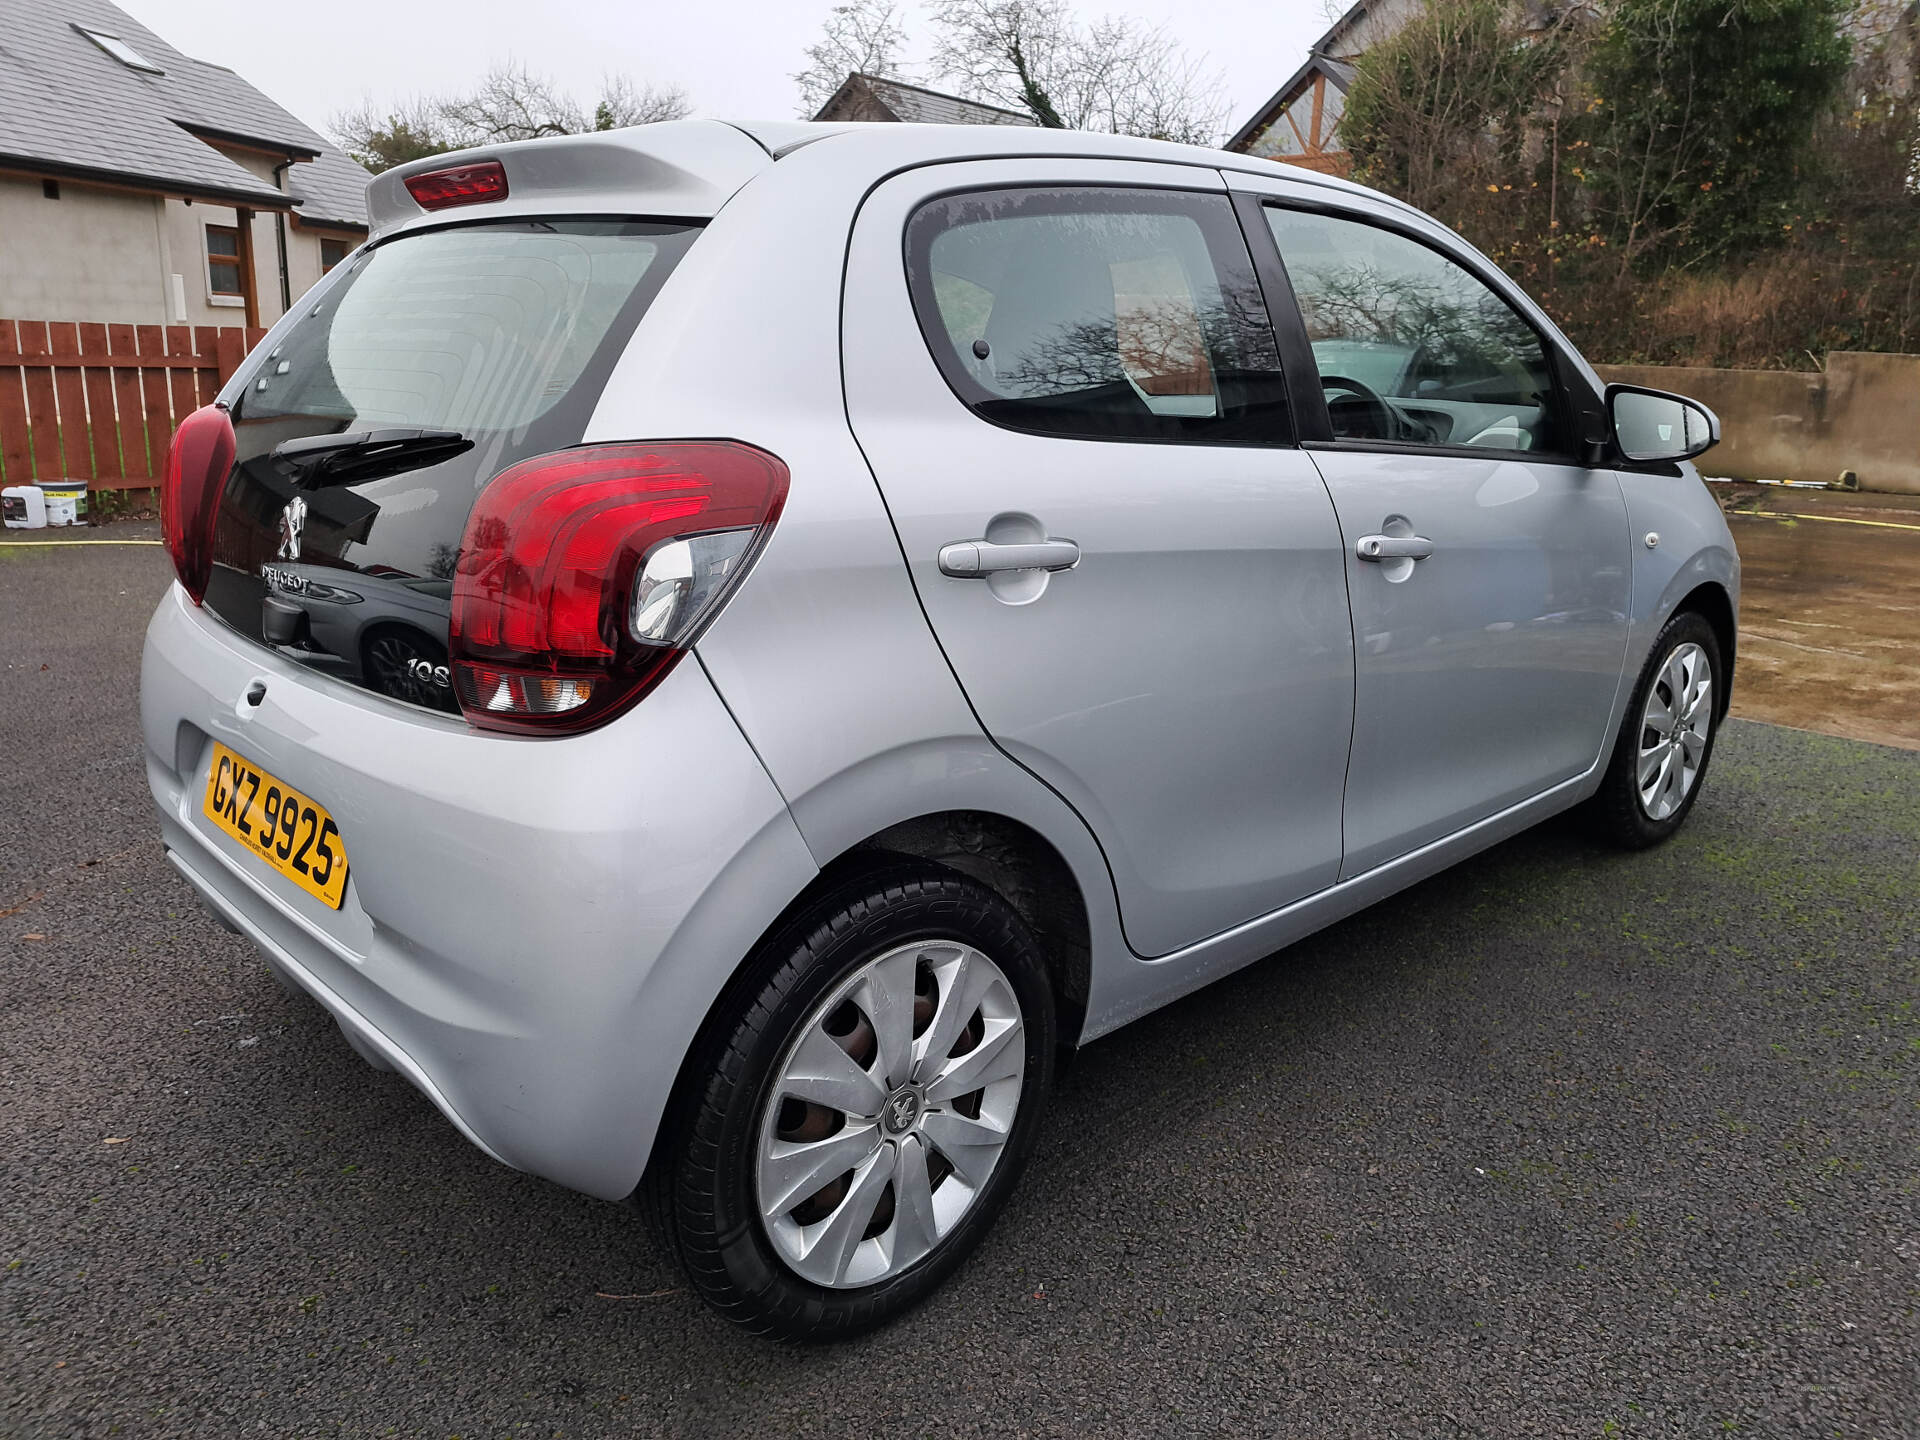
(121, 51)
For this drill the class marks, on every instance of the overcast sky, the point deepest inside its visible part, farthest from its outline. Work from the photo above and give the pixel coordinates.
(735, 58)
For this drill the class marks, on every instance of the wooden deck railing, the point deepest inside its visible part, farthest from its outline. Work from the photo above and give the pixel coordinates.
(94, 402)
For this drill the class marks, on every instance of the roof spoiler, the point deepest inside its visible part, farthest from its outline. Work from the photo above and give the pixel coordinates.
(677, 169)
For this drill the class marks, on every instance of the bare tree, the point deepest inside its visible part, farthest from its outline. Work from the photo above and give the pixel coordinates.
(381, 139)
(510, 103)
(861, 37)
(513, 103)
(623, 103)
(1114, 74)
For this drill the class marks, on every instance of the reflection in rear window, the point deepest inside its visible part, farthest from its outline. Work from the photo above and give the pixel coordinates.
(480, 328)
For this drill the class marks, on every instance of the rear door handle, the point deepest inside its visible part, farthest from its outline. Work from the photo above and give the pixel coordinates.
(1393, 547)
(976, 559)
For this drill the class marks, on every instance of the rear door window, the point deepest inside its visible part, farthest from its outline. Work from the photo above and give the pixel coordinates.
(1099, 313)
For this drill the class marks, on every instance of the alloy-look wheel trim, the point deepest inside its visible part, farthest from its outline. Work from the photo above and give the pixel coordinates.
(1674, 726)
(889, 1113)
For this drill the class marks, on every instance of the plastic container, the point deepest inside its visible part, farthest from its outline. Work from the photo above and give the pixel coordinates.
(24, 507)
(66, 501)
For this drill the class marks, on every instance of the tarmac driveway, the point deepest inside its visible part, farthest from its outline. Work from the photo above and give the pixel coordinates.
(1561, 1143)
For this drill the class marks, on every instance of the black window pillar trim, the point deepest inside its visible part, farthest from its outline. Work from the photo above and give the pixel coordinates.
(1306, 398)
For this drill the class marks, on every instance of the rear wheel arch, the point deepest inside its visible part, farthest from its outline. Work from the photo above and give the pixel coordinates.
(1010, 858)
(1023, 867)
(1013, 860)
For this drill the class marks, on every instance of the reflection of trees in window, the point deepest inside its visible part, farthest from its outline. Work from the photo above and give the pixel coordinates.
(1460, 333)
(1166, 346)
(1161, 347)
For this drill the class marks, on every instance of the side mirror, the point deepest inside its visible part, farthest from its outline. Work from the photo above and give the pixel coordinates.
(1653, 425)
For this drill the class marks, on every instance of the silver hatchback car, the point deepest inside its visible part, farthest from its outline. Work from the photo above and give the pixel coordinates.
(882, 605)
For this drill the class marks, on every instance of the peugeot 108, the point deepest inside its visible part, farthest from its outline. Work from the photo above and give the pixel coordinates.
(720, 652)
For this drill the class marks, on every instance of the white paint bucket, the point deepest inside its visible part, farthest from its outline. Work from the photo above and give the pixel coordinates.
(66, 501)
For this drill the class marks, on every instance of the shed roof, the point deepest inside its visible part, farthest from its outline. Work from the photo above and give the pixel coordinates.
(917, 105)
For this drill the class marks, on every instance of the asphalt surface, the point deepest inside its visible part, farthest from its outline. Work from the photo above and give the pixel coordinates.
(1562, 1143)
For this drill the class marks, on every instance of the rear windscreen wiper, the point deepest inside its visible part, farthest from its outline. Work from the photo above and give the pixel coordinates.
(354, 456)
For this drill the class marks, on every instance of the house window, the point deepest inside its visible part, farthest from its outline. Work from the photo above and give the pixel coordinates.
(332, 252)
(121, 51)
(223, 262)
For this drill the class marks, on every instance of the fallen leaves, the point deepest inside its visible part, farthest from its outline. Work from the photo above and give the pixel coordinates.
(16, 909)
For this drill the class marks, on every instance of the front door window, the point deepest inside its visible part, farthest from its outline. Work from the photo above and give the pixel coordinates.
(1412, 348)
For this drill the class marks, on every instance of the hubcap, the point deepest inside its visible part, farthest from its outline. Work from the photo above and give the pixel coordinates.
(1674, 729)
(889, 1112)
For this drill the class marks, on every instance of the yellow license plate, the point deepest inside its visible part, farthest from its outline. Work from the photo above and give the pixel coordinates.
(276, 822)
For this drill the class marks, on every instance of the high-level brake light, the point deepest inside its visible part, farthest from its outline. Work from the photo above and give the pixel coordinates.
(458, 185)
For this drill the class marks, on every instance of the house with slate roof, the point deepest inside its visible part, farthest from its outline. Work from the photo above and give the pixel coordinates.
(869, 97)
(139, 185)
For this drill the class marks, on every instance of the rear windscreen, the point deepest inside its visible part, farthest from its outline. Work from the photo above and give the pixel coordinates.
(483, 328)
(499, 335)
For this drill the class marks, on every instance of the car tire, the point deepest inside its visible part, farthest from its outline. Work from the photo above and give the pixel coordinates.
(738, 1134)
(1644, 798)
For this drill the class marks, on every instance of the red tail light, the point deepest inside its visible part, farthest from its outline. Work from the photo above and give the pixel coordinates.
(584, 575)
(198, 464)
(460, 185)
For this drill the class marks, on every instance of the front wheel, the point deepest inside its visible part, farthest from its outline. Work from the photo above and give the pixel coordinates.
(860, 1108)
(1660, 759)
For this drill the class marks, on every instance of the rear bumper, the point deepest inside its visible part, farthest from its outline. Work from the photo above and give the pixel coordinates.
(372, 1046)
(532, 929)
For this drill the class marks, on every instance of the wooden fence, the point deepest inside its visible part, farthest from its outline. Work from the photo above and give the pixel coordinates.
(98, 402)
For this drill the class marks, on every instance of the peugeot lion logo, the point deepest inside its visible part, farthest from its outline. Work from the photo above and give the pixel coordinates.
(291, 519)
(902, 1111)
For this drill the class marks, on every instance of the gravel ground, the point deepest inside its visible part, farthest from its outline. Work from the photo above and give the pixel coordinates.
(1562, 1143)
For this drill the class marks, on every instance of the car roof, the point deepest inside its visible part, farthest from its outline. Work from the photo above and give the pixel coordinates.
(690, 168)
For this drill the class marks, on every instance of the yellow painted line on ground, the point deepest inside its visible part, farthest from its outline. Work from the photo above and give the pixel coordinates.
(69, 544)
(1832, 519)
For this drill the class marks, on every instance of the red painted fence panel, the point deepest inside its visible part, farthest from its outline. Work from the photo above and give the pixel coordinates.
(15, 456)
(100, 402)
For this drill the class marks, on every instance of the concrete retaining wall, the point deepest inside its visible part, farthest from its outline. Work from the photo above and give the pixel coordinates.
(1863, 415)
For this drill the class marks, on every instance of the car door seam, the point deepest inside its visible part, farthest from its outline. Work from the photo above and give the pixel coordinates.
(913, 584)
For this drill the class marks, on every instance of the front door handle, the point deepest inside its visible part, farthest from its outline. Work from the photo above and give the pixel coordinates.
(976, 559)
(1393, 547)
